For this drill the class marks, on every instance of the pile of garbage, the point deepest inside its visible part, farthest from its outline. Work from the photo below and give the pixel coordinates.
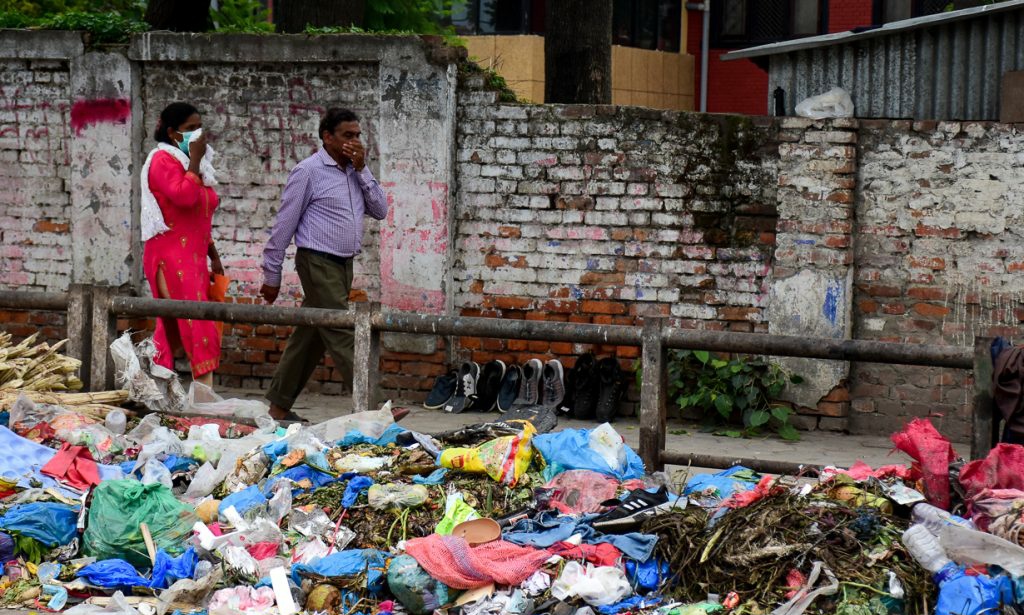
(220, 510)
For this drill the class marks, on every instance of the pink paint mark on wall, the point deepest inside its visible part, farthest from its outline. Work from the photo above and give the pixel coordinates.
(86, 113)
(429, 242)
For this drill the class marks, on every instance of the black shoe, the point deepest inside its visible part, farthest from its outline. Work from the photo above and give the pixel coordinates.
(443, 391)
(612, 384)
(584, 387)
(465, 388)
(509, 390)
(631, 511)
(488, 386)
(553, 385)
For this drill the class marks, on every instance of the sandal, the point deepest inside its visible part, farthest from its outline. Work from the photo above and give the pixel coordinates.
(289, 418)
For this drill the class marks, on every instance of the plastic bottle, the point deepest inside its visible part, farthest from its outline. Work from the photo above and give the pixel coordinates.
(925, 548)
(934, 518)
(116, 422)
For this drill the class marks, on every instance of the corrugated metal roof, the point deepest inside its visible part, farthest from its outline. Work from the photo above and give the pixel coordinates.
(943, 67)
(885, 30)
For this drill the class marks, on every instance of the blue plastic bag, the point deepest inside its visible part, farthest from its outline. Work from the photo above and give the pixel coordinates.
(243, 500)
(111, 573)
(570, 450)
(434, 478)
(357, 437)
(724, 483)
(48, 522)
(298, 473)
(348, 564)
(963, 594)
(357, 485)
(646, 575)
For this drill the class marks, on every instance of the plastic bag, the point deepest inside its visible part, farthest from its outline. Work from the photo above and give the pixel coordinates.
(351, 563)
(966, 546)
(204, 481)
(203, 442)
(281, 503)
(607, 443)
(48, 522)
(570, 449)
(310, 550)
(354, 462)
(833, 103)
(581, 491)
(238, 559)
(244, 501)
(372, 423)
(242, 600)
(596, 586)
(418, 592)
(112, 573)
(397, 495)
(806, 594)
(118, 606)
(119, 506)
(504, 459)
(456, 510)
(156, 472)
(979, 594)
(203, 400)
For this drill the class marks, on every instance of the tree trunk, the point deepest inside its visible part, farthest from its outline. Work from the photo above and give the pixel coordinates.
(294, 15)
(578, 52)
(179, 15)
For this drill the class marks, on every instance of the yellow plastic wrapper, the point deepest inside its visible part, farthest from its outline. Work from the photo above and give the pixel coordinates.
(504, 459)
(858, 497)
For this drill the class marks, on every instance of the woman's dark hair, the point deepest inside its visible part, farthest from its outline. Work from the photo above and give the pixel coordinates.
(334, 117)
(173, 115)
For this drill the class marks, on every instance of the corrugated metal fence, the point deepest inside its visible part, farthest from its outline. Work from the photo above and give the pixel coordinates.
(947, 71)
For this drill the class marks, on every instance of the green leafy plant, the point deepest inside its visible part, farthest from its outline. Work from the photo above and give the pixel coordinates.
(420, 16)
(737, 391)
(242, 16)
(102, 28)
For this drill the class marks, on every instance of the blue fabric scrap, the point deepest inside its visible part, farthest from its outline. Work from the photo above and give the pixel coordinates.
(357, 485)
(548, 527)
(570, 449)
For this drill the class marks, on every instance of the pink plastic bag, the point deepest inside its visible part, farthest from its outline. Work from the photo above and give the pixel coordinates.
(581, 491)
(932, 454)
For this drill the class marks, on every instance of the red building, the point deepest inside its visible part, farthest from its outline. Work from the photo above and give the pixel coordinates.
(740, 86)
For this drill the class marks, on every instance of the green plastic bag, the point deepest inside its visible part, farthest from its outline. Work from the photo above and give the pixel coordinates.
(456, 511)
(117, 509)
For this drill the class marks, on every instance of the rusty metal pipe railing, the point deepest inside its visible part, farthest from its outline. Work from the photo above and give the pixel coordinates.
(97, 308)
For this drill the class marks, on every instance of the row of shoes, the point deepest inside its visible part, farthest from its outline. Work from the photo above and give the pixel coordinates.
(591, 389)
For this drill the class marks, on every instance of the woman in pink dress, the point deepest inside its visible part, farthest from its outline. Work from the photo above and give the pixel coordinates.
(177, 212)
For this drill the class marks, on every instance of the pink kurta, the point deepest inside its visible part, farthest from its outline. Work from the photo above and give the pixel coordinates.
(181, 253)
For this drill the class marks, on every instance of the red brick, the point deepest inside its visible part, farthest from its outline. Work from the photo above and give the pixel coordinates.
(604, 307)
(49, 226)
(471, 343)
(512, 303)
(935, 263)
(628, 352)
(868, 306)
(562, 348)
(259, 343)
(925, 292)
(879, 290)
(931, 310)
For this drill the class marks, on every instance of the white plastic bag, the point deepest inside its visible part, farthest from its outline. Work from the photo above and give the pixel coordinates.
(598, 586)
(607, 443)
(118, 606)
(203, 400)
(203, 482)
(396, 495)
(966, 547)
(156, 472)
(371, 423)
(833, 103)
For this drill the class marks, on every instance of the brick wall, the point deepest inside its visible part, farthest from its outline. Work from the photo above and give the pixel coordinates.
(939, 251)
(608, 214)
(35, 246)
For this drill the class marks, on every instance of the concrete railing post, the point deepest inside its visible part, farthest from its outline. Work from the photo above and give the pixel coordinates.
(653, 394)
(366, 359)
(984, 422)
(79, 329)
(104, 330)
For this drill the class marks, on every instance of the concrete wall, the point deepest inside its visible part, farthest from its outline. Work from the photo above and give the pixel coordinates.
(640, 77)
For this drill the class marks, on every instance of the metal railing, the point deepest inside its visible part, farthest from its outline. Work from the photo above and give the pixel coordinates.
(93, 313)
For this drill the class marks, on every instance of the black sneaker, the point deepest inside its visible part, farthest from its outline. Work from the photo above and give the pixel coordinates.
(529, 390)
(631, 511)
(465, 388)
(443, 391)
(488, 386)
(509, 390)
(612, 384)
(584, 387)
(553, 385)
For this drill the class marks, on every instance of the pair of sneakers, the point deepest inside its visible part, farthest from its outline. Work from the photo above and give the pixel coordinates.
(594, 388)
(498, 387)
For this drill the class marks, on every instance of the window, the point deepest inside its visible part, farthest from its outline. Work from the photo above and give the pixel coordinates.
(647, 24)
(887, 11)
(497, 16)
(744, 23)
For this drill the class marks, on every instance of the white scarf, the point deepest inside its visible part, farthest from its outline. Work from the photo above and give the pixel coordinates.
(152, 218)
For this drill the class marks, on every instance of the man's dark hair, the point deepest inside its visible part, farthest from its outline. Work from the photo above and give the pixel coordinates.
(173, 115)
(335, 116)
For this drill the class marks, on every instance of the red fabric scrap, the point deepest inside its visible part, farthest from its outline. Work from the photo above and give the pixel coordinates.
(764, 488)
(861, 471)
(932, 454)
(74, 466)
(601, 554)
(1002, 468)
